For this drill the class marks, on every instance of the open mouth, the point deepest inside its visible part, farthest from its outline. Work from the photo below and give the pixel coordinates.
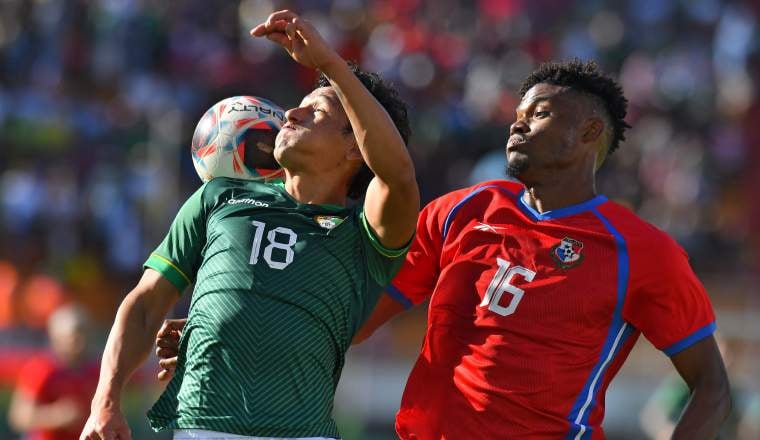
(515, 141)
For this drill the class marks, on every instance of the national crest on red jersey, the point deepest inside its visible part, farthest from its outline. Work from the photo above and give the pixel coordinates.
(568, 253)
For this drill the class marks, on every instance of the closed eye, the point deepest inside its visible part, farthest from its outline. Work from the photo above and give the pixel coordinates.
(542, 114)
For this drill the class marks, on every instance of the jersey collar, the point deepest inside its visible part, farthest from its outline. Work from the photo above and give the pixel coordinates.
(561, 212)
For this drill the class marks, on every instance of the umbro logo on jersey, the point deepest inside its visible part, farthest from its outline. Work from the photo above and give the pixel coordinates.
(568, 253)
(253, 202)
(484, 227)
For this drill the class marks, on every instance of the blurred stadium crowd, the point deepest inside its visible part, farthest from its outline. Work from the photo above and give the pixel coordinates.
(99, 99)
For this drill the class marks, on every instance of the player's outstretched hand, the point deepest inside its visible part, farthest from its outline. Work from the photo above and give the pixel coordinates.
(299, 38)
(167, 346)
(106, 424)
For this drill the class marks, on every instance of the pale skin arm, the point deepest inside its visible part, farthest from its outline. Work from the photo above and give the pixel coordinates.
(129, 343)
(392, 201)
(701, 366)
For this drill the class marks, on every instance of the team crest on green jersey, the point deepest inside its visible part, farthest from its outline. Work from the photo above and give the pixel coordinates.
(568, 253)
(328, 221)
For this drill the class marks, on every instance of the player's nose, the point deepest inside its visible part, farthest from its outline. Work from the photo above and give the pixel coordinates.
(518, 127)
(295, 114)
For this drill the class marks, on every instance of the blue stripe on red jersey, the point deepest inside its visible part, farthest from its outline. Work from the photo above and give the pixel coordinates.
(616, 336)
(399, 296)
(453, 212)
(692, 339)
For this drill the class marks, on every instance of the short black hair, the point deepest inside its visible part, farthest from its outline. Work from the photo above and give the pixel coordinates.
(389, 98)
(588, 79)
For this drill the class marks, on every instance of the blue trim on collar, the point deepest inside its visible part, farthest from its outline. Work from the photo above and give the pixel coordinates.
(567, 211)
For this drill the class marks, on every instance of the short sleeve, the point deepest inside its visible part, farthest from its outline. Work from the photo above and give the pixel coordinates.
(178, 257)
(667, 303)
(382, 262)
(415, 281)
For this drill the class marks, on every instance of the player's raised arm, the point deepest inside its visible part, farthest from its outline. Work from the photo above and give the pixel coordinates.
(129, 343)
(392, 200)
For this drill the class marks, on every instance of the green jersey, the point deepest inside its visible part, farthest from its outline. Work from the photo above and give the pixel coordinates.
(280, 289)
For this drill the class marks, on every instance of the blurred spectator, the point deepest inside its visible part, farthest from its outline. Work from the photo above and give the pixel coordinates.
(52, 397)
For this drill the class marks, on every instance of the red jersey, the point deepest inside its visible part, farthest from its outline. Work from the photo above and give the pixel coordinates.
(45, 380)
(531, 315)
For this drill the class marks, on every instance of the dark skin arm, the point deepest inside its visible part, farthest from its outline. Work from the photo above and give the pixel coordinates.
(167, 339)
(701, 366)
(385, 309)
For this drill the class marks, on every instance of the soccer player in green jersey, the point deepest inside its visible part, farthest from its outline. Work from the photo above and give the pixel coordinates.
(284, 274)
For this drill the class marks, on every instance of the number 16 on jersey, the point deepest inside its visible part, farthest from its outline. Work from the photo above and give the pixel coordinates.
(501, 283)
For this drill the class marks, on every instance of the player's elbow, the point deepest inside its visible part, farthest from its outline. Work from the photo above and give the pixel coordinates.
(717, 391)
(723, 401)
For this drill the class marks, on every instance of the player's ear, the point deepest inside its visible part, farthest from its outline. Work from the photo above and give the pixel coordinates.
(353, 152)
(592, 129)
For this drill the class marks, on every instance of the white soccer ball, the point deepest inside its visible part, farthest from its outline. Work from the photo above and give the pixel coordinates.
(235, 138)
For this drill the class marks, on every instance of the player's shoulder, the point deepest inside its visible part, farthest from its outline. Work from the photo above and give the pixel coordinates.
(462, 195)
(638, 233)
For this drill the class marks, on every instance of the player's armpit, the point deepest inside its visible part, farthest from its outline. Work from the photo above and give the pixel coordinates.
(385, 309)
(701, 366)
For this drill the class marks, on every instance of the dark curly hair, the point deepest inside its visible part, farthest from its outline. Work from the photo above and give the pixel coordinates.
(389, 98)
(587, 79)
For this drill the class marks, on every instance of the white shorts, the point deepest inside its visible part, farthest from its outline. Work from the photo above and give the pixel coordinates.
(200, 434)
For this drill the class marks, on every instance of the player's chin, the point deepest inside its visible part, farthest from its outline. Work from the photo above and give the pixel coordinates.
(517, 165)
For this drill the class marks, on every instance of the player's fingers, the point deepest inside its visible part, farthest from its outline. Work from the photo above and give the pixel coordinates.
(164, 375)
(167, 341)
(284, 14)
(304, 27)
(176, 324)
(166, 352)
(168, 363)
(259, 30)
(280, 39)
(263, 29)
(290, 31)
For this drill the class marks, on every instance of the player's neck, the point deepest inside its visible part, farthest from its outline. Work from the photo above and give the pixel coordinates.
(558, 194)
(316, 190)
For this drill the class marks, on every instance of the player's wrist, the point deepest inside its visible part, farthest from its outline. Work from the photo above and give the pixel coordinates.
(109, 400)
(332, 65)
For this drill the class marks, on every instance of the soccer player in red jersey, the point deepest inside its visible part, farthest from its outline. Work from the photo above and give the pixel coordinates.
(539, 287)
(52, 397)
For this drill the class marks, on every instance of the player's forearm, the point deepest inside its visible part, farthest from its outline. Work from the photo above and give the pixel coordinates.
(129, 343)
(378, 138)
(707, 409)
